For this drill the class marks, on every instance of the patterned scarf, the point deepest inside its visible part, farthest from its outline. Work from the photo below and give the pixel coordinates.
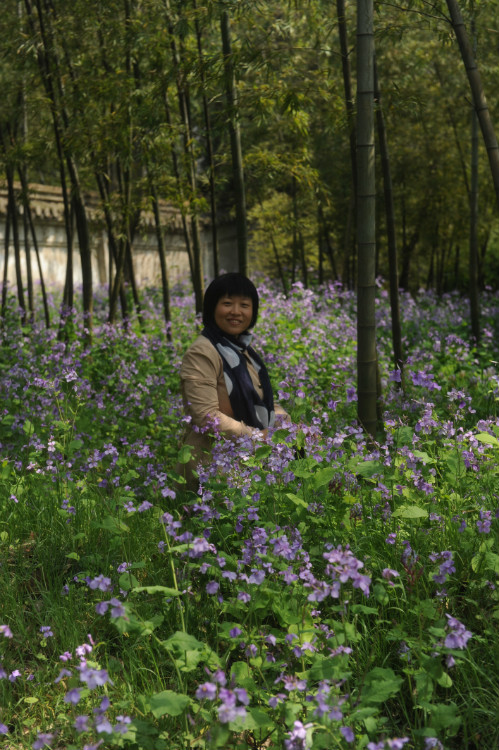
(246, 404)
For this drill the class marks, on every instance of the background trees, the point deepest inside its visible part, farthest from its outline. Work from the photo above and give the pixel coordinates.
(129, 99)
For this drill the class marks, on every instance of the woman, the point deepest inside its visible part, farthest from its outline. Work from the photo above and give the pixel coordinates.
(225, 384)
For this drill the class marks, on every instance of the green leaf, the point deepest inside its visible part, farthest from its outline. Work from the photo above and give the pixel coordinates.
(128, 581)
(30, 699)
(74, 445)
(155, 590)
(28, 428)
(184, 454)
(424, 685)
(323, 477)
(410, 511)
(484, 437)
(168, 702)
(112, 524)
(444, 716)
(181, 641)
(263, 451)
(296, 500)
(73, 555)
(380, 684)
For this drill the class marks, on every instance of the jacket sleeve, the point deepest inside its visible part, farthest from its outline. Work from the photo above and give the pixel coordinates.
(200, 375)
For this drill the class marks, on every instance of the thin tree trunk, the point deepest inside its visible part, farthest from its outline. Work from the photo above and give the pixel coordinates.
(197, 250)
(473, 243)
(366, 227)
(12, 211)
(349, 249)
(209, 150)
(5, 264)
(390, 227)
(165, 286)
(29, 216)
(476, 86)
(327, 241)
(236, 150)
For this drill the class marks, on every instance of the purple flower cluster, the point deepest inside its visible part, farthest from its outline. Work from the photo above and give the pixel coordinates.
(233, 701)
(457, 636)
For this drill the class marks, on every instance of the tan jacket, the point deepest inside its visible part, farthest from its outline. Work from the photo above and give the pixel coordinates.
(205, 398)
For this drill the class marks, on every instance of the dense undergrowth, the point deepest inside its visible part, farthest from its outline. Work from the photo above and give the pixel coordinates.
(320, 591)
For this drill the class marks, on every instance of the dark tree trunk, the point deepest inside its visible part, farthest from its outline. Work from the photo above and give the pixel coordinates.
(390, 228)
(209, 151)
(477, 92)
(367, 386)
(32, 231)
(197, 250)
(236, 150)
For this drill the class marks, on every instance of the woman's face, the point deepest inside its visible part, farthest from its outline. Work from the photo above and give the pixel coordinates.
(233, 314)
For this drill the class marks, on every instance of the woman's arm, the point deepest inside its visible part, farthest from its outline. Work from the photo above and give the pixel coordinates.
(203, 388)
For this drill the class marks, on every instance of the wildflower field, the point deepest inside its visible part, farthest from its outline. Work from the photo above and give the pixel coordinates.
(320, 591)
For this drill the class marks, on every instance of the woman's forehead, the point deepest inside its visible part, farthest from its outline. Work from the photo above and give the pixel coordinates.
(242, 297)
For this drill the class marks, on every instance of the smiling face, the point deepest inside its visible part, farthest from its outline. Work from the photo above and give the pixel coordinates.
(233, 314)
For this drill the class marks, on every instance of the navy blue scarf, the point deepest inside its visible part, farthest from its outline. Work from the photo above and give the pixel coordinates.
(246, 404)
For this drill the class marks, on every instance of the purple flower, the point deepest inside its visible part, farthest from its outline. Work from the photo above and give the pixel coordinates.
(235, 632)
(347, 734)
(297, 737)
(397, 743)
(66, 656)
(433, 742)
(73, 696)
(122, 726)
(63, 673)
(6, 631)
(84, 649)
(117, 608)
(207, 691)
(291, 682)
(81, 723)
(14, 675)
(100, 582)
(103, 725)
(212, 587)
(458, 636)
(388, 573)
(94, 677)
(44, 739)
(4, 729)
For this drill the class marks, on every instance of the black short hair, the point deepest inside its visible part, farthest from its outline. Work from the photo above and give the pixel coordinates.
(230, 284)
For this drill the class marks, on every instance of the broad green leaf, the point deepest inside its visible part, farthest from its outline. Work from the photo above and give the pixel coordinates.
(410, 511)
(380, 684)
(444, 716)
(181, 641)
(168, 702)
(484, 437)
(263, 451)
(128, 581)
(296, 500)
(110, 523)
(155, 590)
(424, 685)
(323, 476)
(184, 454)
(365, 468)
(28, 428)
